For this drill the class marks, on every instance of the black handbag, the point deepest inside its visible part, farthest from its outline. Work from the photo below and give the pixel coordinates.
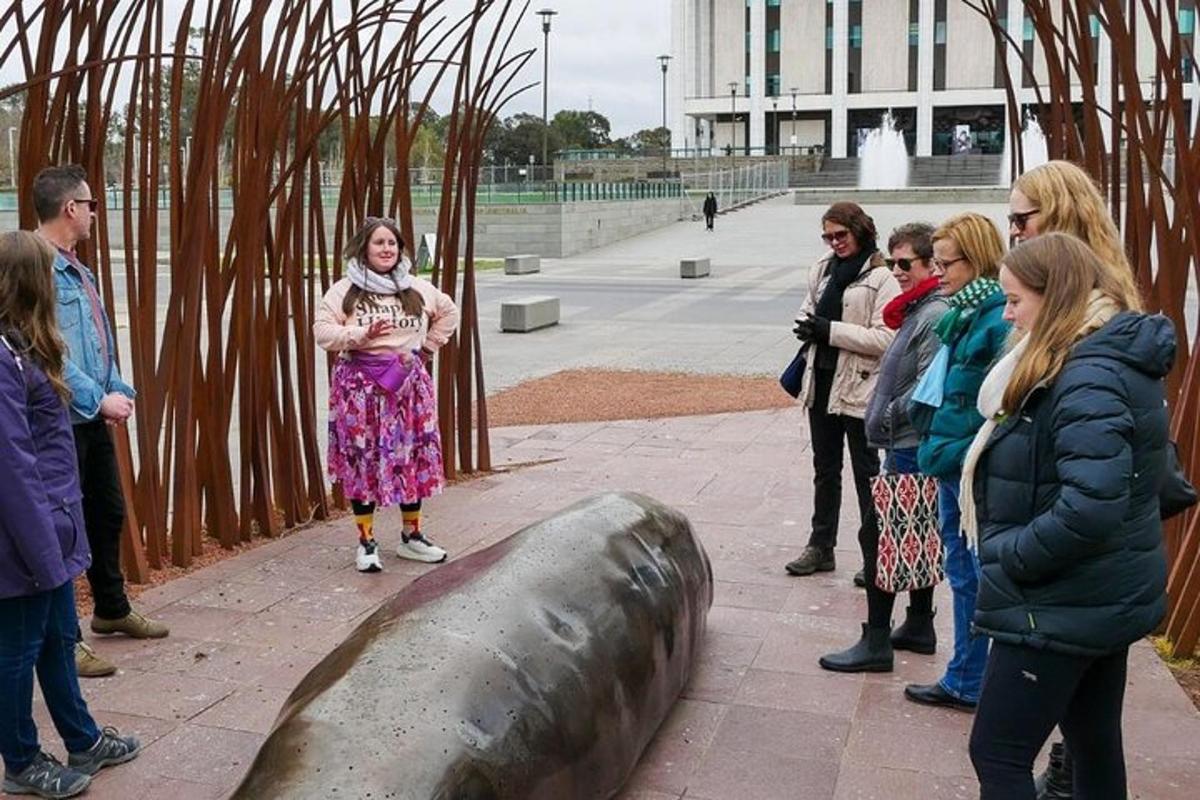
(793, 376)
(1176, 494)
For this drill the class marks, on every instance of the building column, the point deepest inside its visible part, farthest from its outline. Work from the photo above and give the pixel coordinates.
(680, 70)
(758, 73)
(841, 63)
(1104, 83)
(1016, 29)
(925, 45)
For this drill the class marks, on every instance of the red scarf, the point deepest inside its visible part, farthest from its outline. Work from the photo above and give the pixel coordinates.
(895, 311)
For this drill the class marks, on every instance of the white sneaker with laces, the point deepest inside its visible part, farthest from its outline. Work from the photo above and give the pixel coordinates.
(418, 548)
(367, 559)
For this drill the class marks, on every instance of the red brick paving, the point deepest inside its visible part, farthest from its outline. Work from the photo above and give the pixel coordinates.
(759, 719)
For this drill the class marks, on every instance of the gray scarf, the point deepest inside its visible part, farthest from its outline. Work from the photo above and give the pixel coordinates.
(369, 280)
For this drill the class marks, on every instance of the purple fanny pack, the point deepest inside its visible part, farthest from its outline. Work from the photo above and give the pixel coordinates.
(385, 369)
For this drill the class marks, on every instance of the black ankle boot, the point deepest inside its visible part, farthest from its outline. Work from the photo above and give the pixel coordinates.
(916, 634)
(1057, 782)
(873, 653)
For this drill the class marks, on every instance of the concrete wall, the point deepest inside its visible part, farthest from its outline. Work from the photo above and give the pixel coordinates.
(970, 51)
(884, 46)
(802, 48)
(729, 46)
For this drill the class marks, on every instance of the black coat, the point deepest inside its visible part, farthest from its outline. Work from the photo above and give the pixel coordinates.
(1066, 497)
(710, 206)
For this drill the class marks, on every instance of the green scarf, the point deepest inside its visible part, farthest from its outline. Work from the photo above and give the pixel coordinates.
(962, 307)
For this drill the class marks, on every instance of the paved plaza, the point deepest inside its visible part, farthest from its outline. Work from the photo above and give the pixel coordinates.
(759, 720)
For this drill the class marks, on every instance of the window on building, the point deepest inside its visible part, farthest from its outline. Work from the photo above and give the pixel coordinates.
(828, 37)
(856, 36)
(748, 84)
(773, 83)
(914, 34)
(747, 41)
(772, 3)
(1027, 34)
(1187, 21)
(1094, 25)
(773, 42)
(939, 32)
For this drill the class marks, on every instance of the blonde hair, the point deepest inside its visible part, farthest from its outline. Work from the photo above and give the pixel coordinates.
(1068, 201)
(28, 302)
(1064, 270)
(978, 239)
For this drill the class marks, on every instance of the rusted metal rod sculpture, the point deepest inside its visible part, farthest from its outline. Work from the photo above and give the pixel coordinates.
(209, 123)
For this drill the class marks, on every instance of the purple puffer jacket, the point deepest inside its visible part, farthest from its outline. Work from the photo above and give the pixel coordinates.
(43, 543)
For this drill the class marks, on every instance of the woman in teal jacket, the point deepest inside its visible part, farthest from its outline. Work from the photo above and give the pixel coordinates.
(966, 255)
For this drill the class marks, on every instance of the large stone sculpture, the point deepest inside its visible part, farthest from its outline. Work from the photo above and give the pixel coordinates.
(537, 668)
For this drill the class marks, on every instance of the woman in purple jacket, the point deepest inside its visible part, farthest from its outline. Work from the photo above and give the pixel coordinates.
(42, 542)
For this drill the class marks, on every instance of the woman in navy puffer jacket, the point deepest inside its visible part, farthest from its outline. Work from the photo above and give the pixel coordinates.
(1064, 478)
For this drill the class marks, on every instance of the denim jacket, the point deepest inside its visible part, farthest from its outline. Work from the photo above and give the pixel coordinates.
(88, 379)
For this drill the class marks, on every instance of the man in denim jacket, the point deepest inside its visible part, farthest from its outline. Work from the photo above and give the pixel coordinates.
(99, 398)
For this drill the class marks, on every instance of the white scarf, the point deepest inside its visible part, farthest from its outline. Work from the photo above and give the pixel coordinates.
(1100, 310)
(369, 280)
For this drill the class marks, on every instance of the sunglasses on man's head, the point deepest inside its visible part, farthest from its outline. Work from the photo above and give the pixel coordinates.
(903, 263)
(1019, 219)
(836, 236)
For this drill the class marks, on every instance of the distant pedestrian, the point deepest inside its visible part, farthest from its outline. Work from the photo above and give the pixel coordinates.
(710, 210)
(100, 399)
(42, 550)
(385, 324)
(841, 322)
(1064, 480)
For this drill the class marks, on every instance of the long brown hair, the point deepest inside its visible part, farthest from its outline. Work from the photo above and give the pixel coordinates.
(1063, 270)
(1068, 201)
(410, 299)
(28, 302)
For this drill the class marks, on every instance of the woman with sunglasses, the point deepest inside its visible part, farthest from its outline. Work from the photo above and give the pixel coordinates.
(1059, 197)
(841, 321)
(385, 324)
(913, 315)
(966, 258)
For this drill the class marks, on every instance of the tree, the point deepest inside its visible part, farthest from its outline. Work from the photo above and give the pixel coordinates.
(518, 138)
(581, 130)
(655, 139)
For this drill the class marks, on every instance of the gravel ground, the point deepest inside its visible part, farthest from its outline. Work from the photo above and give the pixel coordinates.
(600, 395)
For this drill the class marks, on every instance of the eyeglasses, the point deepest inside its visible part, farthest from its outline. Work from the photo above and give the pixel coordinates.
(940, 264)
(91, 202)
(903, 263)
(1019, 219)
(836, 236)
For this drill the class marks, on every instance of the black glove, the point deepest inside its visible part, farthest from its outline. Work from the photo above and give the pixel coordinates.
(820, 328)
(804, 329)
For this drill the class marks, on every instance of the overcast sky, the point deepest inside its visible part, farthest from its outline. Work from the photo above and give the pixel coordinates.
(602, 50)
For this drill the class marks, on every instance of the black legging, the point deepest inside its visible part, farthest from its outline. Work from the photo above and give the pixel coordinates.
(1026, 692)
(360, 507)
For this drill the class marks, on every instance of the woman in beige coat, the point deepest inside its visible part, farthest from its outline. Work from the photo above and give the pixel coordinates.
(841, 321)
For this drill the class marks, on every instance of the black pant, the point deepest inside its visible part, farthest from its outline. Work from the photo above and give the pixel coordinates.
(708, 221)
(827, 432)
(359, 507)
(1026, 692)
(103, 515)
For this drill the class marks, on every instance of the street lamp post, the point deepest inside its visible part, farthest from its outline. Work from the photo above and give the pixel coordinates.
(792, 140)
(545, 14)
(733, 122)
(775, 121)
(663, 60)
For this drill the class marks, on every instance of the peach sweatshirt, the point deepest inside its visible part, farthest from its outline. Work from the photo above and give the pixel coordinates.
(336, 332)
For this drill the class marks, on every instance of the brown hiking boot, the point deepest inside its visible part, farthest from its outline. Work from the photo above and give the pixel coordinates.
(89, 665)
(132, 624)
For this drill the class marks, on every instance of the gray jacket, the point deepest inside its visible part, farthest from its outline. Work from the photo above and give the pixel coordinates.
(915, 345)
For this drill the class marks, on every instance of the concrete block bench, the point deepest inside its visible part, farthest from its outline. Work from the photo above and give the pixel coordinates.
(522, 265)
(528, 314)
(694, 268)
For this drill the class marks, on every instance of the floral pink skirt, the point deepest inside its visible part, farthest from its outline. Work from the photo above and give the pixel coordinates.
(384, 446)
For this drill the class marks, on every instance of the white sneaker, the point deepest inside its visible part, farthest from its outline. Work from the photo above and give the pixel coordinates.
(418, 548)
(367, 559)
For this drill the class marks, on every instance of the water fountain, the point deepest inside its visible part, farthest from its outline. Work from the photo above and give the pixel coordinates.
(883, 158)
(1033, 146)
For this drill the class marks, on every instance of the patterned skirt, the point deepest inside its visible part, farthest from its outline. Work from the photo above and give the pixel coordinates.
(384, 446)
